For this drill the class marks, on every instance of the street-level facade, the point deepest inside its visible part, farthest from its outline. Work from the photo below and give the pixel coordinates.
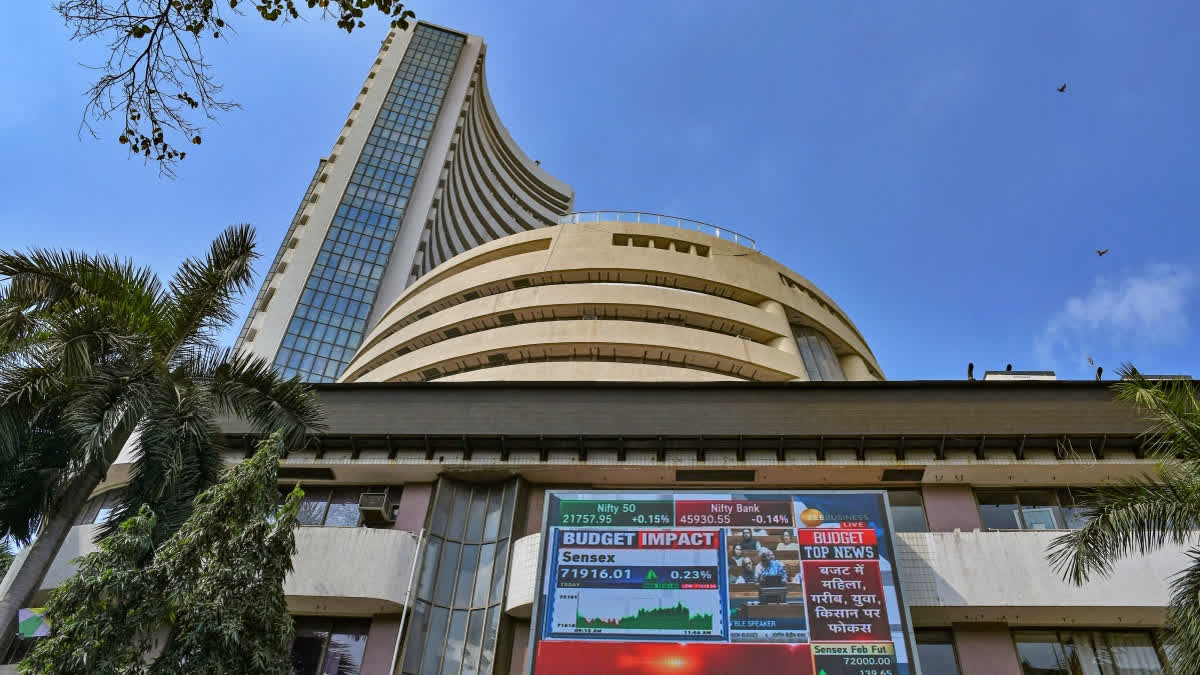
(981, 477)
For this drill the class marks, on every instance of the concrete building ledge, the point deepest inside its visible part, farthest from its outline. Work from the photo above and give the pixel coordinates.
(336, 570)
(1005, 577)
(353, 571)
(971, 577)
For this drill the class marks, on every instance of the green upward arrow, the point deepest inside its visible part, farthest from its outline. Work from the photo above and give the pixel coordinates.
(651, 576)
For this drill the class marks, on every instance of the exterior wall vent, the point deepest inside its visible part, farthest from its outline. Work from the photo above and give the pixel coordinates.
(715, 475)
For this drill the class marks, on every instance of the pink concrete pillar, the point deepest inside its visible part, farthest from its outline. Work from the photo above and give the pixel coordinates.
(537, 502)
(414, 504)
(950, 507)
(520, 647)
(381, 644)
(986, 649)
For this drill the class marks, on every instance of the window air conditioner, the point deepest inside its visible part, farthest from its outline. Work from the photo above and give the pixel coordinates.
(375, 508)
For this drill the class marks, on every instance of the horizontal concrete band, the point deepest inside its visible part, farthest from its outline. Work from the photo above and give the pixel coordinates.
(978, 577)
(946, 577)
(692, 300)
(336, 570)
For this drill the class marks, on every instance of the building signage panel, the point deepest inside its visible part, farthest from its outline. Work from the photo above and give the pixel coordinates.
(704, 583)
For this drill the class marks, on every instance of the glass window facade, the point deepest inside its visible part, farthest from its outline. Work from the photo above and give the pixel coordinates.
(935, 651)
(455, 621)
(908, 511)
(1049, 509)
(331, 316)
(326, 646)
(336, 506)
(819, 358)
(1087, 652)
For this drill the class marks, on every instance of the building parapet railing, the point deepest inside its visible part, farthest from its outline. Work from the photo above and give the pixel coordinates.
(658, 219)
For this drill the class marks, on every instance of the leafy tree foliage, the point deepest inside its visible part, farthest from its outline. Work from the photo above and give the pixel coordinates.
(209, 601)
(1141, 515)
(156, 79)
(92, 350)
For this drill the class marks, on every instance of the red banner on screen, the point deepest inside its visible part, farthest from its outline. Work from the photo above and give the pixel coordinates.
(839, 536)
(566, 657)
(845, 601)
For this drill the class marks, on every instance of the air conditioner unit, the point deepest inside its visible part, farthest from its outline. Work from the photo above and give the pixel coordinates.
(375, 508)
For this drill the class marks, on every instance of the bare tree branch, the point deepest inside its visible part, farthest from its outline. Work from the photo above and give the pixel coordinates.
(156, 79)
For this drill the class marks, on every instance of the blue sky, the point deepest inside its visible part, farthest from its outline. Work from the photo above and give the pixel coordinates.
(912, 159)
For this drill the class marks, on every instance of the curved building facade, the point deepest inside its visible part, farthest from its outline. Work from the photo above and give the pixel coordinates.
(608, 299)
(489, 188)
(421, 171)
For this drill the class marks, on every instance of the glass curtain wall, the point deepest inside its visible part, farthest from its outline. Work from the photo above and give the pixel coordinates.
(1084, 652)
(455, 621)
(819, 358)
(331, 316)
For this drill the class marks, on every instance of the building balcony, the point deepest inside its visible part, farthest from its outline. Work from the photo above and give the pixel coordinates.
(354, 571)
(1004, 576)
(336, 570)
(949, 577)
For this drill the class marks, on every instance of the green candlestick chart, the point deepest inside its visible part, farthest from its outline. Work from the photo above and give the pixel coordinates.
(678, 617)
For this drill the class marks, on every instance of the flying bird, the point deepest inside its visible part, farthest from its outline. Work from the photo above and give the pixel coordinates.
(1100, 253)
(1090, 361)
(1063, 89)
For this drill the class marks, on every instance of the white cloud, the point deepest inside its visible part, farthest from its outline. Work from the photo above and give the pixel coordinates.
(1140, 311)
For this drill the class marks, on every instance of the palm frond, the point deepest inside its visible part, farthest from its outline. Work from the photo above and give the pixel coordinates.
(176, 458)
(103, 411)
(203, 292)
(32, 476)
(247, 386)
(43, 280)
(1181, 632)
(1136, 516)
(1170, 406)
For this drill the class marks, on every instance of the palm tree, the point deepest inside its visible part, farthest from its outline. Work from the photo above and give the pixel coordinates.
(1141, 515)
(96, 354)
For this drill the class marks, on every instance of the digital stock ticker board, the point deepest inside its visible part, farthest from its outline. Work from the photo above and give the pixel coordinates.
(689, 583)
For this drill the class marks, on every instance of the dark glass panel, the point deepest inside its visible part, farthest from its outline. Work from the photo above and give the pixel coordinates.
(343, 507)
(446, 574)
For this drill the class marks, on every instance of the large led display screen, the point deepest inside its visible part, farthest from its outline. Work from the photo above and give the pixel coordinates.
(688, 583)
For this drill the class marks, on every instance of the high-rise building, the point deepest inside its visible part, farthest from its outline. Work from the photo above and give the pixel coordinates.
(421, 171)
(631, 443)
